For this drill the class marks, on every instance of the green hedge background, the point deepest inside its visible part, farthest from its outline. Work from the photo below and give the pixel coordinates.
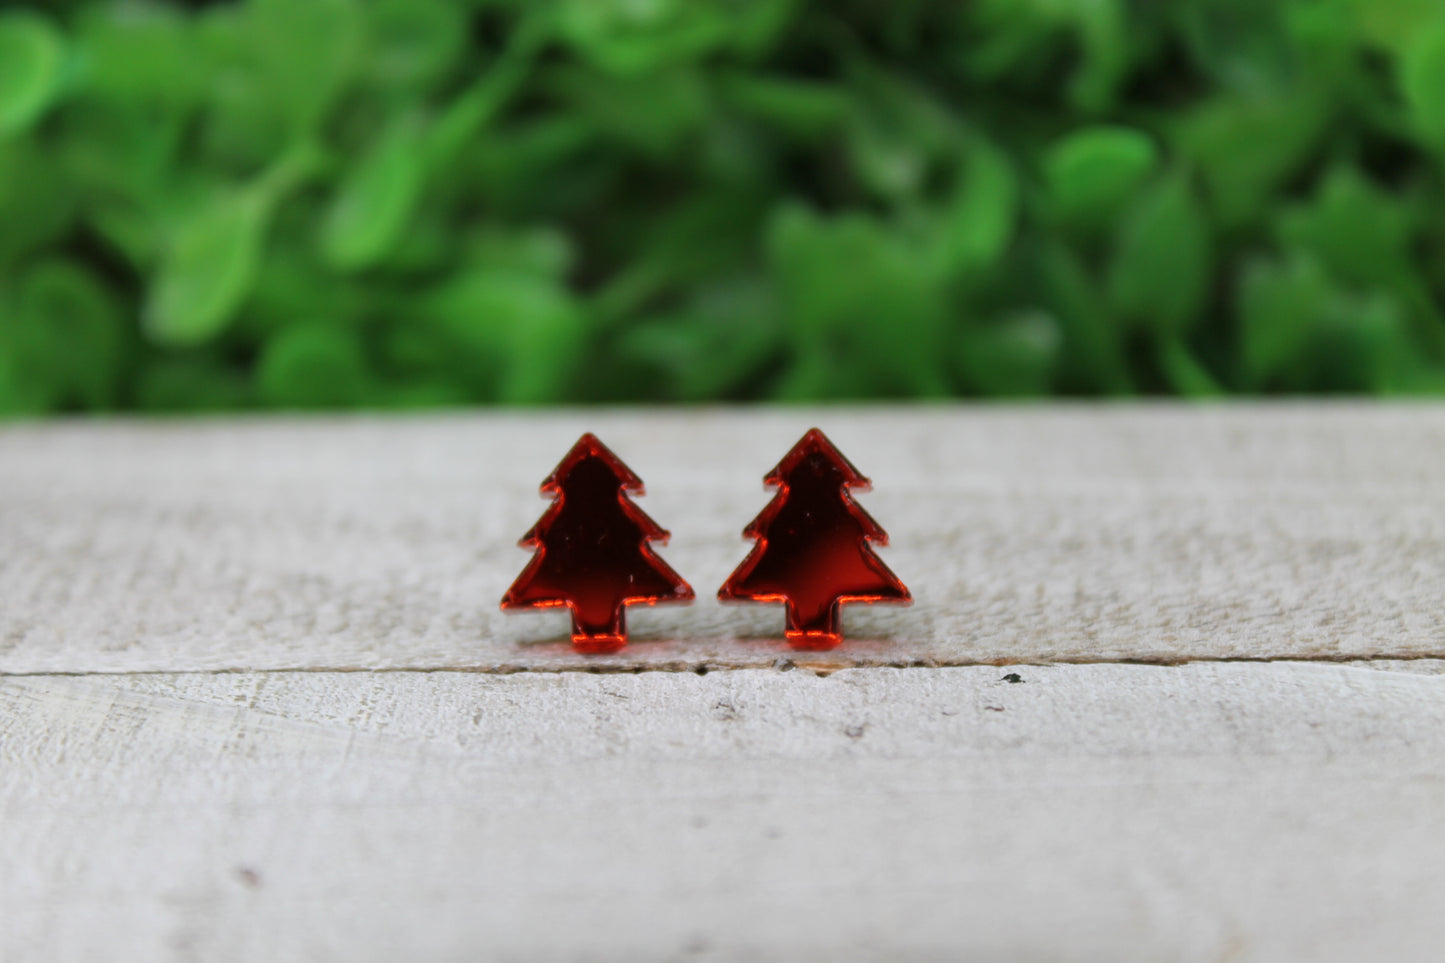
(336, 203)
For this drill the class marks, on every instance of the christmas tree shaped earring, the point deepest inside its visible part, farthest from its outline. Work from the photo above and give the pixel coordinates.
(812, 551)
(592, 550)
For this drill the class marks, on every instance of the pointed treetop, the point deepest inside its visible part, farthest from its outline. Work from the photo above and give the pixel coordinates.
(591, 471)
(815, 443)
(816, 461)
(588, 446)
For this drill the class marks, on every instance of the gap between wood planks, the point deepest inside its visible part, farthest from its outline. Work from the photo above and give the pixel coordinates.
(781, 664)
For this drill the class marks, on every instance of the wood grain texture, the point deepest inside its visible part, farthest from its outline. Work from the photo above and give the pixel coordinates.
(1048, 534)
(1243, 812)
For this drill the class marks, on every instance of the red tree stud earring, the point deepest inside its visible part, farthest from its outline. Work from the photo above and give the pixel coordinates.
(592, 550)
(812, 550)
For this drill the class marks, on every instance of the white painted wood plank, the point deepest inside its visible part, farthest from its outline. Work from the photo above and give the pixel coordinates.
(1150, 532)
(1243, 812)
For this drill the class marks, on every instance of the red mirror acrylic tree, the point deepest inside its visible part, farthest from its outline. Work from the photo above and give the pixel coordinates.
(592, 551)
(813, 549)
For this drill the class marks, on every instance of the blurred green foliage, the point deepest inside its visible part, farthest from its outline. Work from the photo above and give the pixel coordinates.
(313, 203)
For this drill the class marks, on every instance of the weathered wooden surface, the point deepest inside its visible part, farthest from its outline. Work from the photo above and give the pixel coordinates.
(1242, 812)
(182, 778)
(1026, 534)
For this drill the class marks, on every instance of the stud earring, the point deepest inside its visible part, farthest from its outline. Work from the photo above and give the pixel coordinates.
(592, 551)
(812, 551)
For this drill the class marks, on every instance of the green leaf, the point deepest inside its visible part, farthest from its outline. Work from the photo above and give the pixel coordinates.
(214, 254)
(866, 306)
(515, 338)
(414, 43)
(541, 252)
(1422, 80)
(1280, 307)
(1358, 231)
(32, 65)
(712, 349)
(375, 202)
(141, 54)
(208, 270)
(79, 321)
(313, 365)
(62, 343)
(1161, 265)
(192, 383)
(1393, 24)
(760, 25)
(1093, 356)
(249, 113)
(1246, 146)
(1017, 38)
(1104, 32)
(1300, 331)
(653, 113)
(978, 220)
(899, 135)
(291, 288)
(804, 108)
(122, 150)
(1014, 357)
(476, 106)
(1184, 372)
(632, 38)
(1091, 172)
(1240, 44)
(37, 200)
(891, 166)
(306, 52)
(127, 229)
